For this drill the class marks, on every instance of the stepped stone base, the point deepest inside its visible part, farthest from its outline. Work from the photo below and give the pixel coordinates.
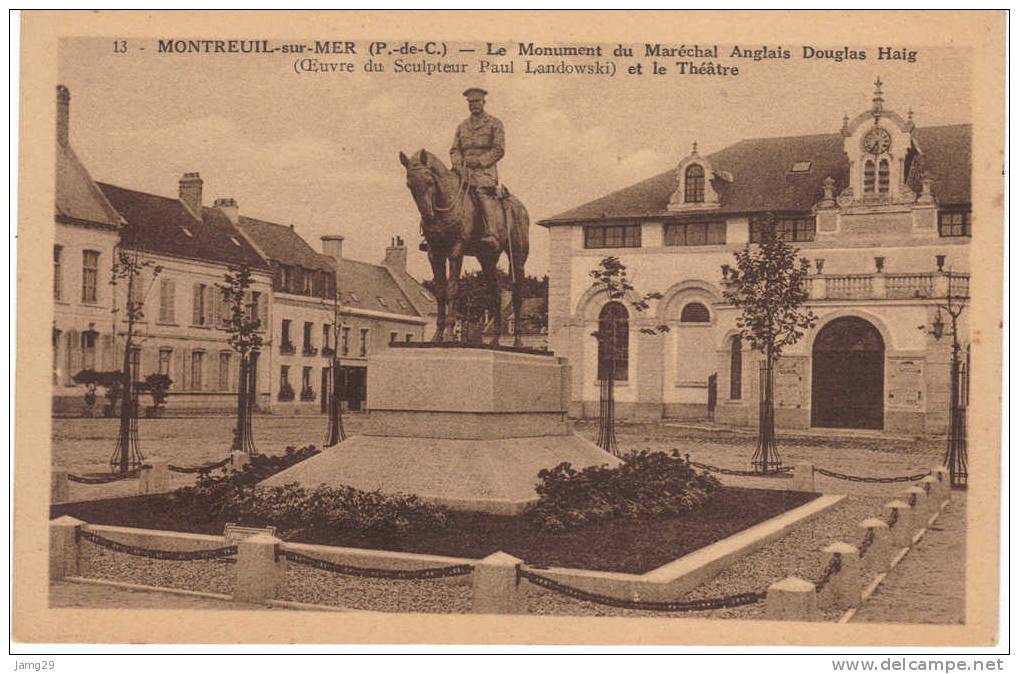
(493, 476)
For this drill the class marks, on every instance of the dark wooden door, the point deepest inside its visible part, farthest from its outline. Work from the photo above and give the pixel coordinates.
(848, 376)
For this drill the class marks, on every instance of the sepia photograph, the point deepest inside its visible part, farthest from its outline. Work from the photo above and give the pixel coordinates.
(501, 322)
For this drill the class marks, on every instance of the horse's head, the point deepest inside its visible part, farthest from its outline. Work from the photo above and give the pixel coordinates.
(422, 181)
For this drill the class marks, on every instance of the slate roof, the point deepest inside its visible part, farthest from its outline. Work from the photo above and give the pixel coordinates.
(361, 284)
(282, 244)
(78, 198)
(420, 298)
(157, 224)
(762, 180)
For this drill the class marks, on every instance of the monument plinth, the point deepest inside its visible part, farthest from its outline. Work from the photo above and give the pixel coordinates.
(464, 427)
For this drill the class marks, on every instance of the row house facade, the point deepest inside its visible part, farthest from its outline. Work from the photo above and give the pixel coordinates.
(882, 210)
(183, 333)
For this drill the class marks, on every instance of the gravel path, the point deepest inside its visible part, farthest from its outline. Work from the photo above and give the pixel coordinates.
(80, 595)
(929, 585)
(202, 576)
(310, 585)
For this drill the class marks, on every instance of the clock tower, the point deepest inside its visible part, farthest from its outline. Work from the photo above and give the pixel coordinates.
(880, 148)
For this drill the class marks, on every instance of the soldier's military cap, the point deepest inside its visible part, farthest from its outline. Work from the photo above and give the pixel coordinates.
(475, 90)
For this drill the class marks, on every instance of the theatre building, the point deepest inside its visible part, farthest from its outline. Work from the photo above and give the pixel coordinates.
(880, 208)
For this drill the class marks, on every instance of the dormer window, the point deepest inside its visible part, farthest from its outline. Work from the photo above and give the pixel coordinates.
(382, 301)
(693, 189)
(801, 167)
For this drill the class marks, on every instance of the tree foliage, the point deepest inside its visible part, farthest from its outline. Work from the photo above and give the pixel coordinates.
(610, 276)
(769, 287)
(242, 323)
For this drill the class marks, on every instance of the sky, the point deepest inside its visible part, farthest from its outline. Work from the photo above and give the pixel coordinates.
(320, 151)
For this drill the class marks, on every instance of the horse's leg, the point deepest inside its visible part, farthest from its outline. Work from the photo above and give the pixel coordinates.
(490, 268)
(520, 246)
(456, 258)
(438, 262)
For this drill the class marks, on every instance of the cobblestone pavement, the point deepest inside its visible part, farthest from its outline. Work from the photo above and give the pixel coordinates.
(929, 583)
(85, 444)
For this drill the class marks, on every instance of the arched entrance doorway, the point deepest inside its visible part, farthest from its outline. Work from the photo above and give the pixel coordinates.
(848, 375)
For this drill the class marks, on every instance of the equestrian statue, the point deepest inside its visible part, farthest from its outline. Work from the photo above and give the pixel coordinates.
(465, 211)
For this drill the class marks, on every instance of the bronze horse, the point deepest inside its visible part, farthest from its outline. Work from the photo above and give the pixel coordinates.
(450, 219)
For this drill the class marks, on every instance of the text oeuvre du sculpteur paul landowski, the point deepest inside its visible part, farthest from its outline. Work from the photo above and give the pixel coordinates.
(427, 58)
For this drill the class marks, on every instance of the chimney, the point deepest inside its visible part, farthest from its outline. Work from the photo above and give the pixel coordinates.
(396, 254)
(63, 114)
(191, 193)
(228, 206)
(332, 245)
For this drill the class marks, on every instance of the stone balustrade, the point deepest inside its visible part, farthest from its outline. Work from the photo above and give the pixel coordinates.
(882, 286)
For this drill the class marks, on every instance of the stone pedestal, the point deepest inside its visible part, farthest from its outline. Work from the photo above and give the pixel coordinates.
(464, 427)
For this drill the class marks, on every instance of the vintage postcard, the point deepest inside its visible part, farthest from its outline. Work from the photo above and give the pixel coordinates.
(510, 327)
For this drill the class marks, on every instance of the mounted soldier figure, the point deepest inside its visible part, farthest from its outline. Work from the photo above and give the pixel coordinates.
(465, 211)
(478, 145)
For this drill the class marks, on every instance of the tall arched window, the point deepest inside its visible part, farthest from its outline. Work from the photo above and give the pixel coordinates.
(693, 190)
(694, 312)
(882, 177)
(868, 176)
(613, 342)
(736, 368)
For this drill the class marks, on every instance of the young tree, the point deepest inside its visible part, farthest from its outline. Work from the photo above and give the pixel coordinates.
(243, 326)
(128, 266)
(610, 277)
(769, 287)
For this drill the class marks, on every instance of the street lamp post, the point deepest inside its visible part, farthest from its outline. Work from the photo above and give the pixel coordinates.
(956, 459)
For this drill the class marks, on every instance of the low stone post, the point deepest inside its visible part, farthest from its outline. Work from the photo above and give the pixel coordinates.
(154, 477)
(877, 556)
(59, 486)
(846, 585)
(930, 486)
(64, 553)
(496, 587)
(902, 529)
(803, 478)
(944, 484)
(918, 498)
(792, 599)
(258, 573)
(238, 461)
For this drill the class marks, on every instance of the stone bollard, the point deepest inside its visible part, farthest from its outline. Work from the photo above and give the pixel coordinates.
(877, 557)
(154, 477)
(846, 585)
(258, 573)
(496, 588)
(902, 530)
(803, 478)
(238, 461)
(59, 486)
(930, 487)
(944, 482)
(792, 599)
(64, 547)
(918, 498)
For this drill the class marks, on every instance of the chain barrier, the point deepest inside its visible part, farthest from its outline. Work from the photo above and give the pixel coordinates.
(785, 471)
(391, 574)
(151, 553)
(882, 480)
(833, 567)
(868, 540)
(199, 469)
(638, 605)
(103, 479)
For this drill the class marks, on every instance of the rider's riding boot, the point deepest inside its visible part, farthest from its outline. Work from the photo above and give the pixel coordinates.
(491, 211)
(489, 241)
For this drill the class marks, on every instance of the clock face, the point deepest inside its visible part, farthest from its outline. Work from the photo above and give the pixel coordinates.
(877, 141)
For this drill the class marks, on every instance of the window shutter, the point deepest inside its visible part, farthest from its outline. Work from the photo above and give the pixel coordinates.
(73, 355)
(196, 305)
(209, 311)
(149, 363)
(217, 308)
(263, 311)
(106, 342)
(185, 365)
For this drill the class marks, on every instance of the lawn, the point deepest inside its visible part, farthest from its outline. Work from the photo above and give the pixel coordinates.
(620, 545)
